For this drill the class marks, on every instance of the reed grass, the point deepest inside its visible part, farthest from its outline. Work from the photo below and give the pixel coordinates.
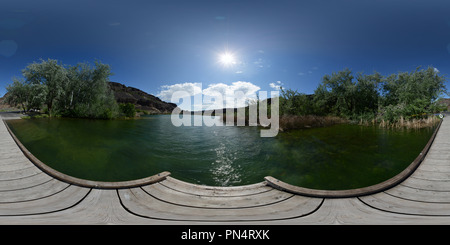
(415, 123)
(288, 122)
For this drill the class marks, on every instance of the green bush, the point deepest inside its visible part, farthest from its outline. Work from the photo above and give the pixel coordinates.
(71, 91)
(406, 95)
(127, 109)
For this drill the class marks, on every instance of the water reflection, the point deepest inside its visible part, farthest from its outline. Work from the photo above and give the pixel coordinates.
(338, 157)
(225, 171)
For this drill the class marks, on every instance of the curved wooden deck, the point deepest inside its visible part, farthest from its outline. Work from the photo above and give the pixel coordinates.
(29, 195)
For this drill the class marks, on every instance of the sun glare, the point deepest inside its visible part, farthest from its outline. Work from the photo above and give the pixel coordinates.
(227, 59)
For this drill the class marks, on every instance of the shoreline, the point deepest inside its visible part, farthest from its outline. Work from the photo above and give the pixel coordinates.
(8, 115)
(286, 122)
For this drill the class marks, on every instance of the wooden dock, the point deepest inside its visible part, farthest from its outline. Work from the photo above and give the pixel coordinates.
(31, 193)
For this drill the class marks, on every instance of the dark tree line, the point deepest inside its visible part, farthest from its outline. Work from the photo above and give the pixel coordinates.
(404, 95)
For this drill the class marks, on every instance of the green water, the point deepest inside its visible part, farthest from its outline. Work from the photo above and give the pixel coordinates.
(338, 157)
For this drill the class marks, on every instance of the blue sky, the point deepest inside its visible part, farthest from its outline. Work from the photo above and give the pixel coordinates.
(157, 45)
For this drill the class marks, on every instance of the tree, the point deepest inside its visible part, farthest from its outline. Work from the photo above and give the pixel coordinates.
(87, 93)
(342, 91)
(322, 101)
(412, 94)
(294, 103)
(75, 91)
(287, 101)
(37, 96)
(18, 94)
(52, 75)
(366, 94)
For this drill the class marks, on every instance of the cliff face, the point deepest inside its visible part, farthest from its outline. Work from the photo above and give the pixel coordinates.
(140, 99)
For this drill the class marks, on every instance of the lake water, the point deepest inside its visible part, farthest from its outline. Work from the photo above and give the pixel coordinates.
(337, 157)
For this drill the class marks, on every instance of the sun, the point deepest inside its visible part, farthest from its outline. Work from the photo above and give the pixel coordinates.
(227, 59)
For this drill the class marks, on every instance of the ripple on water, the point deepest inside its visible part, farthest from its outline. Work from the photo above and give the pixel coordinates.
(337, 157)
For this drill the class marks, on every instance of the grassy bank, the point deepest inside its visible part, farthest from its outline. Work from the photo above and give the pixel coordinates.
(291, 122)
(415, 123)
(310, 121)
(406, 99)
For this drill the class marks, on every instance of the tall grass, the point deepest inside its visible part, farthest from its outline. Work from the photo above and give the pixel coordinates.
(415, 123)
(289, 122)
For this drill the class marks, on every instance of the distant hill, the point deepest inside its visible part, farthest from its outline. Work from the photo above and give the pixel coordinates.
(140, 99)
(1, 103)
(446, 102)
(4, 106)
(124, 94)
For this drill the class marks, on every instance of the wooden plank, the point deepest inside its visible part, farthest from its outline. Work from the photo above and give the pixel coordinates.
(20, 173)
(60, 201)
(426, 184)
(206, 201)
(435, 168)
(7, 149)
(204, 190)
(439, 156)
(389, 203)
(351, 211)
(43, 190)
(438, 162)
(16, 166)
(431, 175)
(12, 157)
(99, 207)
(22, 183)
(140, 203)
(422, 195)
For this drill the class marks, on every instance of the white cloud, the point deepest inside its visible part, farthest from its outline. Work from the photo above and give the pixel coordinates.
(218, 95)
(189, 89)
(216, 89)
(247, 88)
(277, 85)
(234, 95)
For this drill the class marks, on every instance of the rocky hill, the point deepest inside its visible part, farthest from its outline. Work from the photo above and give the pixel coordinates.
(4, 106)
(141, 100)
(123, 94)
(446, 102)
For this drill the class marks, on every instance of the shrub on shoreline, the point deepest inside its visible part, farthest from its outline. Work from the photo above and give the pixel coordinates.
(405, 99)
(71, 91)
